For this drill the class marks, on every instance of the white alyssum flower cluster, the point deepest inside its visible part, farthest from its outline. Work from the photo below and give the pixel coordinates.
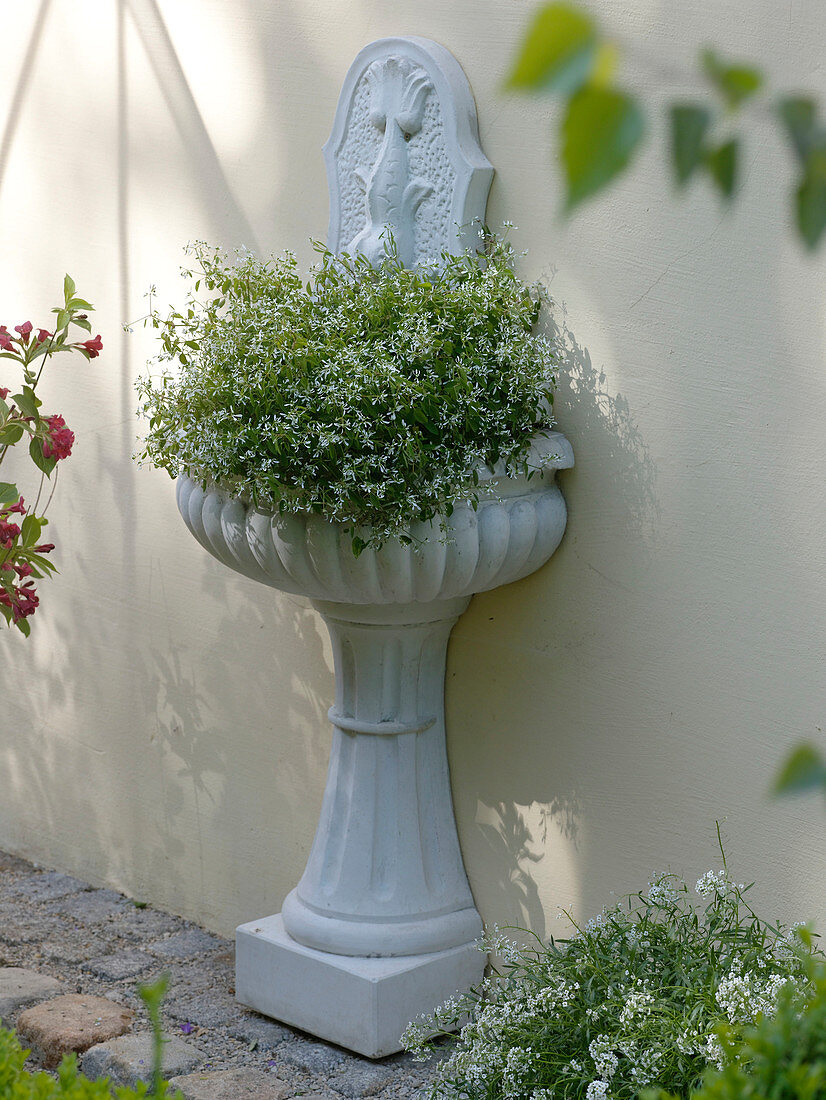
(632, 1000)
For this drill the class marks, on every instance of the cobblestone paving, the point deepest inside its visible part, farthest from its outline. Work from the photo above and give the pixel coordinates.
(98, 942)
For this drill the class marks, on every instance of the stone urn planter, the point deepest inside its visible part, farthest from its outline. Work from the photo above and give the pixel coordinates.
(382, 927)
(382, 921)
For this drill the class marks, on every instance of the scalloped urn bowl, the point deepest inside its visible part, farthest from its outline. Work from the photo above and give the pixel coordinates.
(385, 879)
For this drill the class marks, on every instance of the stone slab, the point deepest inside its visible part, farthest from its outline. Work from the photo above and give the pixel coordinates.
(361, 1080)
(73, 1022)
(264, 1034)
(20, 988)
(234, 1084)
(114, 968)
(313, 1057)
(212, 1008)
(128, 1059)
(188, 945)
(361, 1004)
(91, 906)
(47, 886)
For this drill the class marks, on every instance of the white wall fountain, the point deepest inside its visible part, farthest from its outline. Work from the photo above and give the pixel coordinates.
(382, 926)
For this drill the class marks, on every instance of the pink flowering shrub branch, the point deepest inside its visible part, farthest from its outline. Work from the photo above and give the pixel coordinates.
(22, 555)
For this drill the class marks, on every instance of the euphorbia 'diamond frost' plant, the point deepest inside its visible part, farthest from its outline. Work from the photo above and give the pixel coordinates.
(635, 998)
(369, 395)
(22, 555)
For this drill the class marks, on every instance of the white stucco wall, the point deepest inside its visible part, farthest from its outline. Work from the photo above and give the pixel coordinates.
(164, 732)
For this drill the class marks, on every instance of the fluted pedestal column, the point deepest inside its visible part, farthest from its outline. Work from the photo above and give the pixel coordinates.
(384, 903)
(380, 928)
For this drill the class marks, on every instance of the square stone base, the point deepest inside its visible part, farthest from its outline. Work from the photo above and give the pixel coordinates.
(361, 1004)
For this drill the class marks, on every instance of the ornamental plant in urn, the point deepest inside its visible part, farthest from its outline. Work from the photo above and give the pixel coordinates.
(379, 439)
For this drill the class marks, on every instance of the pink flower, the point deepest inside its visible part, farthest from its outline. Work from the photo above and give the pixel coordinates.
(94, 347)
(23, 569)
(44, 548)
(4, 393)
(43, 335)
(24, 601)
(59, 442)
(19, 507)
(6, 341)
(8, 533)
(24, 330)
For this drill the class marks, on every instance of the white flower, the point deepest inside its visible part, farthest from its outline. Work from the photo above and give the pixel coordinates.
(597, 1090)
(713, 1051)
(602, 1052)
(712, 882)
(661, 892)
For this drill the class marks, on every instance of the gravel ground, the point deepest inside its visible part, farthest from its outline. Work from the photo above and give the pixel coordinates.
(100, 942)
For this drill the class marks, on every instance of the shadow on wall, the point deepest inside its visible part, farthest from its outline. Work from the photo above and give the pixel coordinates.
(202, 736)
(522, 772)
(22, 87)
(604, 420)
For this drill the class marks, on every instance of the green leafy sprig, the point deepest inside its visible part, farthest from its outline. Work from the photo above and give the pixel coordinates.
(371, 396)
(603, 124)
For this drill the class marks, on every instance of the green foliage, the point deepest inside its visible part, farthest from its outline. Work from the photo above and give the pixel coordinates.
(602, 126)
(601, 129)
(689, 125)
(558, 51)
(808, 139)
(17, 1083)
(803, 770)
(734, 83)
(370, 396)
(783, 1057)
(634, 999)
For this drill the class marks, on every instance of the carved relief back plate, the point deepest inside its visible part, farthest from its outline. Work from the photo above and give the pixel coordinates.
(404, 155)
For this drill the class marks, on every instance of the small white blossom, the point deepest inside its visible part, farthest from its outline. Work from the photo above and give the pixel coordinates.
(712, 882)
(597, 1090)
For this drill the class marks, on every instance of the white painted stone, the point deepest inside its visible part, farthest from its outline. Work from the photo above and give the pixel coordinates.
(384, 885)
(404, 154)
(381, 926)
(362, 1004)
(499, 542)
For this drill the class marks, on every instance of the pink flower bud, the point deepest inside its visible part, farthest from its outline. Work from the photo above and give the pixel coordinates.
(24, 330)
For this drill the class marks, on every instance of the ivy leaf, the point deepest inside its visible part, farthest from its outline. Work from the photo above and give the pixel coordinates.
(735, 83)
(811, 200)
(722, 166)
(689, 125)
(799, 116)
(557, 53)
(600, 131)
(803, 770)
